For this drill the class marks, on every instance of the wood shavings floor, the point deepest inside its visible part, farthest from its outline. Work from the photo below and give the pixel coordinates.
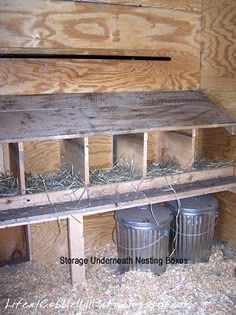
(207, 288)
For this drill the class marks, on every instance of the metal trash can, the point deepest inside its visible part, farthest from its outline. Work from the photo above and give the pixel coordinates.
(193, 229)
(143, 240)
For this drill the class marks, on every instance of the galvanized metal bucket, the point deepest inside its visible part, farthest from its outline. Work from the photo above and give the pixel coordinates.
(193, 227)
(142, 237)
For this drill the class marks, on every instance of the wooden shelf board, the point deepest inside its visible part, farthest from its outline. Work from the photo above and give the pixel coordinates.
(64, 116)
(98, 191)
(15, 217)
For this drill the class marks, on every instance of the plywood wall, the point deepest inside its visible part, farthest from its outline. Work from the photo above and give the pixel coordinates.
(158, 28)
(218, 80)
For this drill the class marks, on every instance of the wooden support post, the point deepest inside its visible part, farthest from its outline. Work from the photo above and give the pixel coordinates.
(131, 149)
(176, 145)
(16, 153)
(76, 247)
(76, 152)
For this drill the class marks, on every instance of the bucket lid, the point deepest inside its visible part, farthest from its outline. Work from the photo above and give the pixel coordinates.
(142, 217)
(195, 205)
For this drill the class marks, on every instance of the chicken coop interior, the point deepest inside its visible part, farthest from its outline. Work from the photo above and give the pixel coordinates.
(115, 116)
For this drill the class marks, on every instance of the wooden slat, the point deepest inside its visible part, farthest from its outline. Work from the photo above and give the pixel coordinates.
(40, 199)
(113, 202)
(66, 24)
(94, 114)
(76, 247)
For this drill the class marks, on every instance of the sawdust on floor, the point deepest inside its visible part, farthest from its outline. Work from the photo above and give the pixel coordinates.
(205, 288)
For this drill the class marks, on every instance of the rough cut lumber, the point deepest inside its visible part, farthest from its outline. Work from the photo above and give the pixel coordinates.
(41, 199)
(15, 217)
(67, 116)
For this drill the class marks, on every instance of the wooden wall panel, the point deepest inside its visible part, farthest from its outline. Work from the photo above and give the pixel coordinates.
(218, 79)
(226, 227)
(49, 24)
(49, 245)
(12, 239)
(171, 28)
(185, 5)
(38, 76)
(48, 242)
(42, 156)
(100, 152)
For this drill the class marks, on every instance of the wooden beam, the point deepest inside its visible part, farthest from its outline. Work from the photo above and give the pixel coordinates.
(76, 248)
(41, 199)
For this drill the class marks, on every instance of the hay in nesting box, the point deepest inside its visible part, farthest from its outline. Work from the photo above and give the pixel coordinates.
(202, 163)
(117, 173)
(169, 167)
(8, 185)
(62, 179)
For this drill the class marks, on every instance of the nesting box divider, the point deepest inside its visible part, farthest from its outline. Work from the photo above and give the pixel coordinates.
(17, 167)
(131, 149)
(76, 152)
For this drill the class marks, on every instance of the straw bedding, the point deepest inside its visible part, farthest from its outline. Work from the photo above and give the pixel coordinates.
(206, 288)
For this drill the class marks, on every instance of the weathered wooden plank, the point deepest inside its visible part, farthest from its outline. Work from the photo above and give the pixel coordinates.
(39, 199)
(31, 76)
(90, 114)
(66, 24)
(113, 202)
